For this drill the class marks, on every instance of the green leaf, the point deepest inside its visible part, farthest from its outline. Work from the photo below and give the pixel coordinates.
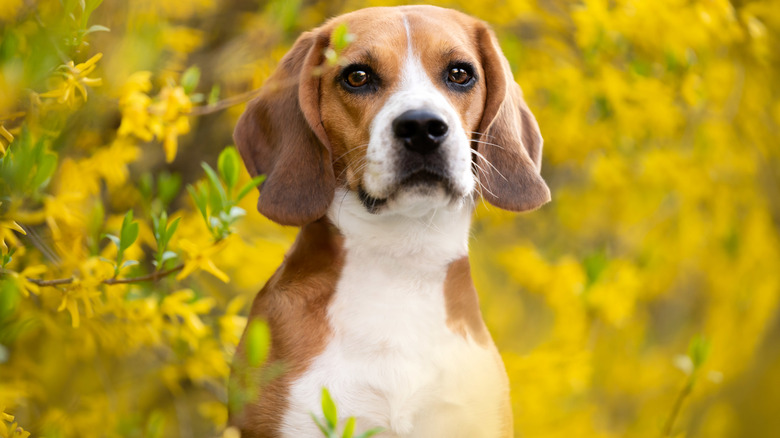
(349, 428)
(199, 197)
(95, 226)
(594, 265)
(254, 182)
(172, 229)
(155, 425)
(145, 184)
(129, 231)
(329, 409)
(128, 263)
(216, 184)
(258, 342)
(190, 79)
(168, 186)
(88, 7)
(46, 168)
(160, 260)
(228, 166)
(110, 262)
(9, 300)
(158, 226)
(112, 238)
(322, 428)
(196, 97)
(341, 38)
(96, 28)
(286, 13)
(370, 433)
(699, 350)
(235, 213)
(213, 95)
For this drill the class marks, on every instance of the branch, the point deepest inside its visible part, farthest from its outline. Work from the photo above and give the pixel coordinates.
(678, 402)
(243, 97)
(154, 276)
(222, 104)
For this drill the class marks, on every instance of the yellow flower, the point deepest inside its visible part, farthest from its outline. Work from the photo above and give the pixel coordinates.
(62, 210)
(164, 119)
(84, 290)
(7, 136)
(182, 307)
(22, 279)
(6, 228)
(134, 105)
(12, 431)
(170, 118)
(4, 416)
(111, 163)
(200, 259)
(231, 324)
(182, 39)
(74, 77)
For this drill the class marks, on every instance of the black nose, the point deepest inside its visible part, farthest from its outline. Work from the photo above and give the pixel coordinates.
(421, 131)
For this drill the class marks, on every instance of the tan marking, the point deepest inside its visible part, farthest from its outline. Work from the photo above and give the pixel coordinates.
(462, 303)
(294, 302)
(465, 319)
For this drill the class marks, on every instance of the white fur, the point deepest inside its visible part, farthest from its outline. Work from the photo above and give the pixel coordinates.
(392, 362)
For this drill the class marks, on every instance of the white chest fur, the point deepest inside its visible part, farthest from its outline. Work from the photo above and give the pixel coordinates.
(392, 361)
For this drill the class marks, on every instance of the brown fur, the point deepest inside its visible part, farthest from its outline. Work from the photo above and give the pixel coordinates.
(280, 136)
(460, 297)
(294, 303)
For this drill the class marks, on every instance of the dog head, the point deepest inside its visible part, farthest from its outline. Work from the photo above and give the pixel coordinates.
(421, 110)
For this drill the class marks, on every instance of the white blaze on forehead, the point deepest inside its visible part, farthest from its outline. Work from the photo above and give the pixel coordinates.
(415, 90)
(408, 36)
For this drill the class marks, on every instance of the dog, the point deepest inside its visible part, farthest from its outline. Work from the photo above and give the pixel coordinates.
(380, 158)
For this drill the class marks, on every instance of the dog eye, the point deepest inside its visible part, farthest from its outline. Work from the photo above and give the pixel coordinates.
(357, 78)
(459, 75)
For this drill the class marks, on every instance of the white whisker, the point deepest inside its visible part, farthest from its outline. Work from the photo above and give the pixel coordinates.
(487, 143)
(479, 155)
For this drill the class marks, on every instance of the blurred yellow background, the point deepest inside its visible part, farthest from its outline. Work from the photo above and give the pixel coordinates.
(642, 302)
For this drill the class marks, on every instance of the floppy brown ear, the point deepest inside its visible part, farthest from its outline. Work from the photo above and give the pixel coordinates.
(281, 136)
(510, 141)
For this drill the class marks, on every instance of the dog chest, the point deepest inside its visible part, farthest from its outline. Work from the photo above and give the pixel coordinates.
(393, 362)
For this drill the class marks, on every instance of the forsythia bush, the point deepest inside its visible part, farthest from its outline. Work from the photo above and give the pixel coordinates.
(642, 302)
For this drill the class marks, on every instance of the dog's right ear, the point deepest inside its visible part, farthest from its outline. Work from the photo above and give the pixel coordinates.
(510, 143)
(281, 136)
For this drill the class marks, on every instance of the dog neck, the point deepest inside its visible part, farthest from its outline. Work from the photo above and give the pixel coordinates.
(363, 296)
(427, 241)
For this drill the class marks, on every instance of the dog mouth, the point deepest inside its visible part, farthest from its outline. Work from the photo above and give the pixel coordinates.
(371, 203)
(425, 181)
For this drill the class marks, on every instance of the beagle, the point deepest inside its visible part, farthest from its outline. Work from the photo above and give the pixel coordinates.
(380, 159)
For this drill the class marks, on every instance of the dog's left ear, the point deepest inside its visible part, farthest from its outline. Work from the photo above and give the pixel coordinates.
(281, 136)
(510, 139)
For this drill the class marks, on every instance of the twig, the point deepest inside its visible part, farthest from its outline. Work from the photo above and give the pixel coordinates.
(225, 103)
(154, 276)
(243, 97)
(686, 391)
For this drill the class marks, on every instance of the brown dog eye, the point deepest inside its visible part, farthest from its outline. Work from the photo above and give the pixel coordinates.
(357, 78)
(459, 76)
